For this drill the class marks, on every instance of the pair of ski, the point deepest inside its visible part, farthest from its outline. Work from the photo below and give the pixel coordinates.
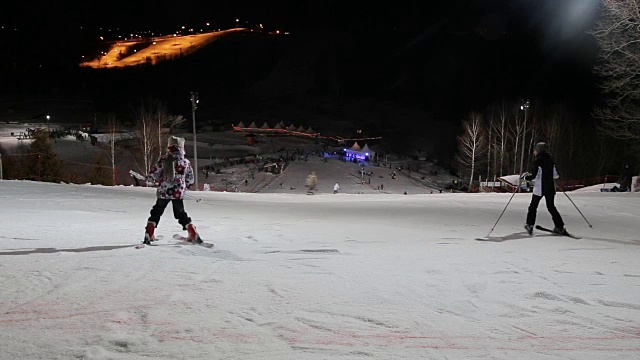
(183, 241)
(555, 233)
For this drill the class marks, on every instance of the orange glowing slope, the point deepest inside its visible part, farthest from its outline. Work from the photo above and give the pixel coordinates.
(163, 48)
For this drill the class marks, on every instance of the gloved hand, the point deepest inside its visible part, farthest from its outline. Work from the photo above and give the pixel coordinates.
(151, 181)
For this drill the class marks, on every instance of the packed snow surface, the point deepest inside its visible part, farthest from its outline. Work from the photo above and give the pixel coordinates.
(325, 276)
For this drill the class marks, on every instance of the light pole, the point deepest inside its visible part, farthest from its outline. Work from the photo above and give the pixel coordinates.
(48, 117)
(194, 106)
(524, 106)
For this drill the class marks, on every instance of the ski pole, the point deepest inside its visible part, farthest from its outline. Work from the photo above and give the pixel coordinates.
(605, 183)
(574, 204)
(505, 208)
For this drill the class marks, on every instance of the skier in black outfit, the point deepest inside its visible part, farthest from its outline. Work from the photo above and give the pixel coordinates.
(544, 173)
(625, 178)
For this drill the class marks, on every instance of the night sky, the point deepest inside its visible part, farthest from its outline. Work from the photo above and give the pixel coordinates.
(445, 58)
(524, 38)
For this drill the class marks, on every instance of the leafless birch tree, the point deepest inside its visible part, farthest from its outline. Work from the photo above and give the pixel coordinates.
(151, 131)
(471, 144)
(618, 35)
(533, 128)
(113, 129)
(550, 128)
(516, 128)
(489, 146)
(499, 126)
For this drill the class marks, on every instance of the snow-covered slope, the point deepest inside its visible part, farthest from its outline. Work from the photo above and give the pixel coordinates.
(315, 277)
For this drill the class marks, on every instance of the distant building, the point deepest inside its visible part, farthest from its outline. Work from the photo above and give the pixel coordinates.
(359, 153)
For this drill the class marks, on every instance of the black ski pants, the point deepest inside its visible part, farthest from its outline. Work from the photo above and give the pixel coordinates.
(533, 208)
(178, 211)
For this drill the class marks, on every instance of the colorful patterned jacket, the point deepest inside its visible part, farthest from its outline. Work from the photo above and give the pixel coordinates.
(172, 184)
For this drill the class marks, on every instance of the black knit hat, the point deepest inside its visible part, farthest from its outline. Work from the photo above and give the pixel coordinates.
(541, 147)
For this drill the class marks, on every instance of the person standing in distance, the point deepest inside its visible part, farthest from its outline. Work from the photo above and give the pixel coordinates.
(625, 178)
(173, 174)
(544, 174)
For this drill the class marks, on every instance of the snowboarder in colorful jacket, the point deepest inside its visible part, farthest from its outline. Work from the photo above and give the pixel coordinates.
(543, 173)
(173, 174)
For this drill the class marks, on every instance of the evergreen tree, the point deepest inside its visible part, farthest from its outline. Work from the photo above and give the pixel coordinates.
(12, 165)
(101, 172)
(42, 163)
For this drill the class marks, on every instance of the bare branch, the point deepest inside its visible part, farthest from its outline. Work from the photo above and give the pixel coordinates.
(471, 144)
(618, 35)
